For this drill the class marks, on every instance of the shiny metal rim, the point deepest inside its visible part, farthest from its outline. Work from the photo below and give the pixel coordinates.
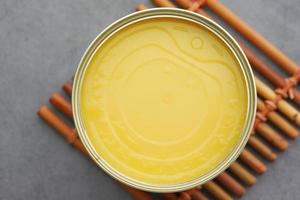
(175, 13)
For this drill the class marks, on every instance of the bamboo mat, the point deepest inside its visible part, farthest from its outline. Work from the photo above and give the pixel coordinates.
(275, 126)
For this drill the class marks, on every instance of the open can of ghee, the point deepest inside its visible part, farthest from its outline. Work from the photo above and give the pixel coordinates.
(164, 100)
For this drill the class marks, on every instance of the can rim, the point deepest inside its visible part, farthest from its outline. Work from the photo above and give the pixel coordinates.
(220, 33)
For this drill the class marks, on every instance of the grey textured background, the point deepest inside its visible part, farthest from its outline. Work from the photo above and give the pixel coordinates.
(41, 43)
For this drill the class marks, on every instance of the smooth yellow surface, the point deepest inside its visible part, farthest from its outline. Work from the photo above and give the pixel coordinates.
(163, 101)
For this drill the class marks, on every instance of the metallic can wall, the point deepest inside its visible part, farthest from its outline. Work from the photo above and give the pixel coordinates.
(180, 14)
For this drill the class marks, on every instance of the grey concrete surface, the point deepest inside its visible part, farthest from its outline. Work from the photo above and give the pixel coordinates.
(41, 43)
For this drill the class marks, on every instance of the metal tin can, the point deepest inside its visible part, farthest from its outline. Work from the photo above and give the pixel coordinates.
(189, 16)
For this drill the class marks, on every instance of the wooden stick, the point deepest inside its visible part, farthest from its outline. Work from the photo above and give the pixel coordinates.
(61, 104)
(243, 174)
(262, 148)
(140, 7)
(67, 87)
(254, 163)
(217, 191)
(193, 194)
(279, 121)
(69, 134)
(284, 107)
(163, 3)
(196, 5)
(186, 4)
(258, 40)
(231, 184)
(260, 66)
(272, 136)
(198, 196)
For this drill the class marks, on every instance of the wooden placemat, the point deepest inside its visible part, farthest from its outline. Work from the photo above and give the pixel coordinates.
(263, 146)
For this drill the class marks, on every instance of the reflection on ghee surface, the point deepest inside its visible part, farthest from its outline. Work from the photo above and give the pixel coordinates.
(163, 101)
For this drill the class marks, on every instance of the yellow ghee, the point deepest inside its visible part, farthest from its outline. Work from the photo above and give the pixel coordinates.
(163, 101)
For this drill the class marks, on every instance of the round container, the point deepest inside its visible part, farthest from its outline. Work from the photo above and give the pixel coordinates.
(188, 178)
